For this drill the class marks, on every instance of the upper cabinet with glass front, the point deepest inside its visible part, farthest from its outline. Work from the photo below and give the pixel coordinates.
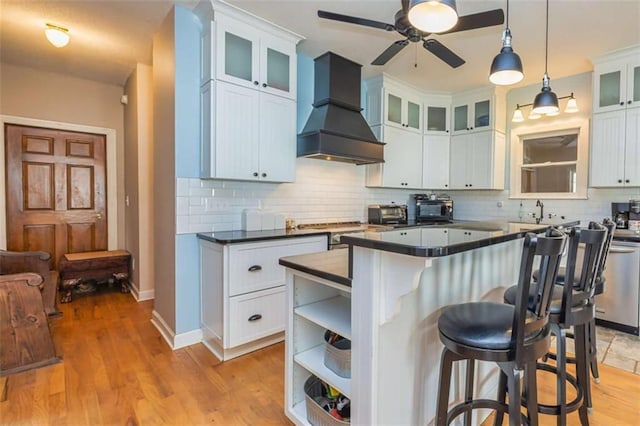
(478, 110)
(393, 103)
(252, 57)
(437, 111)
(616, 79)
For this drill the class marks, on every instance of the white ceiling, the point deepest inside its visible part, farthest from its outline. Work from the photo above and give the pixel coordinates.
(109, 37)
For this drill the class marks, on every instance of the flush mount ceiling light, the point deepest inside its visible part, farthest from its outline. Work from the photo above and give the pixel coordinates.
(506, 67)
(433, 16)
(58, 36)
(546, 101)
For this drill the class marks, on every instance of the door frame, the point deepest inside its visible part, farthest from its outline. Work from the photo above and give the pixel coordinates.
(111, 165)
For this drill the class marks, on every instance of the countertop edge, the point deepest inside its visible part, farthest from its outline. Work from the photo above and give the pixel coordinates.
(233, 237)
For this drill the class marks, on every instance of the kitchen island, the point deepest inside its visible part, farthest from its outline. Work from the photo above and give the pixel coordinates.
(386, 298)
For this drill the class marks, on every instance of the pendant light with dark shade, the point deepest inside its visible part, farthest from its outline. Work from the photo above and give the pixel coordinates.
(506, 67)
(433, 16)
(546, 101)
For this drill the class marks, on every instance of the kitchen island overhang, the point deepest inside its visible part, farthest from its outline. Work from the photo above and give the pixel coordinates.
(395, 299)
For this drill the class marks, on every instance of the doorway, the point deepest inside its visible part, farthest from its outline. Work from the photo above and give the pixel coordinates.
(111, 197)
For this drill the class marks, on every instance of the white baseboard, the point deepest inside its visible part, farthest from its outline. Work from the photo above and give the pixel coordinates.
(175, 341)
(141, 296)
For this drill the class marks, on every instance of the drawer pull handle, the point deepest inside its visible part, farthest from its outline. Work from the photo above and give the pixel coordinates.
(255, 268)
(255, 317)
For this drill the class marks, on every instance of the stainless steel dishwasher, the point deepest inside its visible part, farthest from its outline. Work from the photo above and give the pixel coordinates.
(618, 306)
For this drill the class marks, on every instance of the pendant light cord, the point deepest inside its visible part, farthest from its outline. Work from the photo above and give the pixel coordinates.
(546, 42)
(507, 13)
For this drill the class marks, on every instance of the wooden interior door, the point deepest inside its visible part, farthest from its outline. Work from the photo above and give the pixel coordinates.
(56, 191)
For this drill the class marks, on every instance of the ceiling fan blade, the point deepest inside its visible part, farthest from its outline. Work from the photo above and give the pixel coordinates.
(355, 20)
(390, 52)
(443, 52)
(478, 20)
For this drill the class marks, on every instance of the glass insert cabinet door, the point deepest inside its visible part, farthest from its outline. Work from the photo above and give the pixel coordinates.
(610, 89)
(413, 115)
(436, 119)
(481, 117)
(635, 81)
(460, 116)
(394, 109)
(238, 57)
(278, 70)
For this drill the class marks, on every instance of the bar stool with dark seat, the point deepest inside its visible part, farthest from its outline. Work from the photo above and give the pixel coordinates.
(600, 287)
(572, 306)
(512, 336)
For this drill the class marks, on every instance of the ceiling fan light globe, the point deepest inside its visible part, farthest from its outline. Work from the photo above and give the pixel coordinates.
(506, 68)
(57, 36)
(433, 16)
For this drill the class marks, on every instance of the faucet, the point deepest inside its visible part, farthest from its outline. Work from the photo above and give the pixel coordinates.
(541, 215)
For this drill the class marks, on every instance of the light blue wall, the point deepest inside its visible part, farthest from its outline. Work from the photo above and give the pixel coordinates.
(187, 283)
(187, 157)
(305, 90)
(187, 97)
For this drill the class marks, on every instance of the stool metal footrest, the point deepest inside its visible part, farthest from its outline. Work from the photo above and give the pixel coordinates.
(468, 406)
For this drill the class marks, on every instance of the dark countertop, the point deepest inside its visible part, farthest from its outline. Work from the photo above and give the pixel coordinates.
(230, 237)
(332, 265)
(626, 235)
(435, 241)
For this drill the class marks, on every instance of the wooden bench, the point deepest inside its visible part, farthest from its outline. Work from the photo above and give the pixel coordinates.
(101, 266)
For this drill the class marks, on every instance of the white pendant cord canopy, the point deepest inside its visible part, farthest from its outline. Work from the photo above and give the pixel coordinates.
(546, 101)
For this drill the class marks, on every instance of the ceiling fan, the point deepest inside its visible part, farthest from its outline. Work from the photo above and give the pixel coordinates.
(414, 35)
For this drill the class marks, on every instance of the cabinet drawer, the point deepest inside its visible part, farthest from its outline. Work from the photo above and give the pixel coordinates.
(256, 315)
(255, 266)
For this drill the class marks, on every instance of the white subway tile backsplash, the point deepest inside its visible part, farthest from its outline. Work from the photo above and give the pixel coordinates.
(326, 191)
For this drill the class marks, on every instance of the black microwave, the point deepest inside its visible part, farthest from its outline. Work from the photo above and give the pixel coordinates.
(429, 210)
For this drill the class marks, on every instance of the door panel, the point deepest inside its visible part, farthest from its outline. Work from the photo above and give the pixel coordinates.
(56, 190)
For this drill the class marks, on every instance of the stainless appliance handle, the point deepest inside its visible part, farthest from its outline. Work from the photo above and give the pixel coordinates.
(620, 250)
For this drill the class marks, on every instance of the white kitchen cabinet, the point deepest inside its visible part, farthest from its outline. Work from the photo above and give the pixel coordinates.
(248, 98)
(434, 237)
(402, 167)
(316, 305)
(457, 236)
(477, 160)
(392, 103)
(435, 161)
(478, 110)
(252, 57)
(615, 135)
(615, 148)
(616, 81)
(243, 301)
(437, 114)
(247, 134)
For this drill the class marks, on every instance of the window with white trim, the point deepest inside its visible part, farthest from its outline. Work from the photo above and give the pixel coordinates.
(550, 161)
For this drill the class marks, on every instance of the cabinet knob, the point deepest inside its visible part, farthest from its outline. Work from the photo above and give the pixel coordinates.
(629, 102)
(447, 131)
(255, 268)
(466, 184)
(255, 83)
(264, 174)
(468, 128)
(264, 84)
(626, 181)
(621, 103)
(254, 317)
(471, 128)
(255, 174)
(470, 184)
(619, 180)
(446, 186)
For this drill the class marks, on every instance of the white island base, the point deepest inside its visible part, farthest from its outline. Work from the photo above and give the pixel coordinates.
(390, 313)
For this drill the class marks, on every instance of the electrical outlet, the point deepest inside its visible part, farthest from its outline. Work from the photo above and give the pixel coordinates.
(500, 204)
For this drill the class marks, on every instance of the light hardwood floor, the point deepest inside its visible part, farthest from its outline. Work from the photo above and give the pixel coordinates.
(117, 370)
